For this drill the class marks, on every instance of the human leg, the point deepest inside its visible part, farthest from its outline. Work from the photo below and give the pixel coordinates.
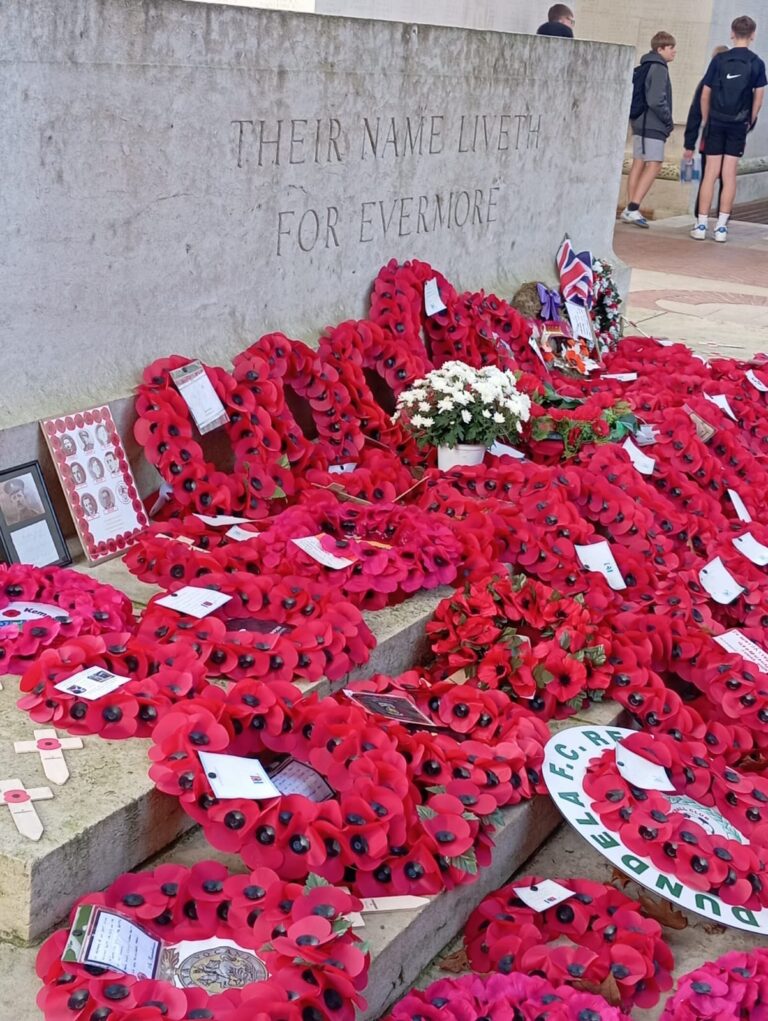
(647, 176)
(710, 176)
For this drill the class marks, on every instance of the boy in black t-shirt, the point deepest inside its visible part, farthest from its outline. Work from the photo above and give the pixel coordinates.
(731, 98)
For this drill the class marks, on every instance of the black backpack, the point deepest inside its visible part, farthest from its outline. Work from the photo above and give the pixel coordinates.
(639, 103)
(732, 90)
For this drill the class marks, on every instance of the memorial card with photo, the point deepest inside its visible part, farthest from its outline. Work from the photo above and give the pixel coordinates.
(97, 481)
(29, 529)
(394, 707)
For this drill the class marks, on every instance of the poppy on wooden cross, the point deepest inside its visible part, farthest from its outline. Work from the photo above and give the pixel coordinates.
(51, 749)
(20, 803)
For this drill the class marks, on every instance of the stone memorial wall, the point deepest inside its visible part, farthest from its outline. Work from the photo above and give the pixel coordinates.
(185, 177)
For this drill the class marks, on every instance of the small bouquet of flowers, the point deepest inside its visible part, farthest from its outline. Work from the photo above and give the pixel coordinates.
(457, 406)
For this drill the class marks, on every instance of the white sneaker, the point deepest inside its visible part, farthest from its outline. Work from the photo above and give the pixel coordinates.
(634, 216)
(699, 232)
(721, 234)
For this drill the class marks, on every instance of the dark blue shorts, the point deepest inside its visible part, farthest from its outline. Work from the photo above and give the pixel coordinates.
(726, 139)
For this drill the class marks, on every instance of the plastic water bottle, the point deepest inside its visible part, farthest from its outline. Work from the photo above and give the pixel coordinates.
(686, 171)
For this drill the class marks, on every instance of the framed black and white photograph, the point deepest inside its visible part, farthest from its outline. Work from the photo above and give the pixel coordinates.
(29, 529)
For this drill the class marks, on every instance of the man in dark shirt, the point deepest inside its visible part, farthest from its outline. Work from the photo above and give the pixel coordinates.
(731, 97)
(560, 22)
(693, 128)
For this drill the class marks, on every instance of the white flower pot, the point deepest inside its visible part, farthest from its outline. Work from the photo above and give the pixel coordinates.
(463, 454)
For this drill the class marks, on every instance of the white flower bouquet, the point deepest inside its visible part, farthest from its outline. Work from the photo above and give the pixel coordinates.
(457, 404)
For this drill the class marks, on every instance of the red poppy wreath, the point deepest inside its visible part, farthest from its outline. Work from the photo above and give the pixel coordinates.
(595, 938)
(155, 676)
(731, 988)
(273, 626)
(291, 953)
(502, 998)
(172, 443)
(525, 638)
(51, 605)
(403, 811)
(709, 832)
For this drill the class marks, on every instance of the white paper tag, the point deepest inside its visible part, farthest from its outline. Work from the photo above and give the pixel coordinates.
(645, 436)
(622, 377)
(93, 683)
(641, 461)
(107, 939)
(534, 344)
(293, 777)
(758, 384)
(580, 320)
(196, 602)
(433, 303)
(598, 556)
(663, 342)
(543, 895)
(232, 776)
(750, 548)
(240, 534)
(311, 545)
(342, 469)
(721, 401)
(640, 772)
(220, 520)
(739, 506)
(201, 398)
(504, 450)
(735, 641)
(19, 612)
(718, 581)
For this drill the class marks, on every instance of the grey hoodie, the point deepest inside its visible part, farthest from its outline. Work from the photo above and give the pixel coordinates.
(657, 121)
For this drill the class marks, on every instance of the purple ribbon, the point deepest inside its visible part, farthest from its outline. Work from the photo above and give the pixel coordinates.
(550, 304)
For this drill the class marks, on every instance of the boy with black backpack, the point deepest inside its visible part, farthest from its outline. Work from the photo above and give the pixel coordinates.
(731, 98)
(652, 124)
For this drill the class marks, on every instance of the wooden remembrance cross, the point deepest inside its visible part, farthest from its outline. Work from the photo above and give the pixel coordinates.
(19, 801)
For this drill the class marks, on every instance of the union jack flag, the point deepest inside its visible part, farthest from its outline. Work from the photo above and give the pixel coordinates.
(576, 278)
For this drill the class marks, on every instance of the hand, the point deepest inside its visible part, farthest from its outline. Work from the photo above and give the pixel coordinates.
(687, 155)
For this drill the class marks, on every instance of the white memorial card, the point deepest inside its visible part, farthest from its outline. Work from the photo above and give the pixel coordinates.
(108, 939)
(543, 895)
(739, 506)
(750, 548)
(645, 436)
(202, 400)
(598, 556)
(294, 777)
(622, 377)
(433, 303)
(232, 776)
(194, 601)
(735, 641)
(721, 401)
(758, 384)
(718, 581)
(504, 450)
(20, 612)
(220, 520)
(641, 772)
(92, 684)
(34, 544)
(240, 534)
(581, 321)
(342, 469)
(312, 545)
(641, 461)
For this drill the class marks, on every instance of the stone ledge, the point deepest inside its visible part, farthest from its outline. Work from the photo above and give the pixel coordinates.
(109, 818)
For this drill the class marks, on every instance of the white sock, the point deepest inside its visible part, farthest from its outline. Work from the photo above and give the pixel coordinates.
(722, 219)
(701, 221)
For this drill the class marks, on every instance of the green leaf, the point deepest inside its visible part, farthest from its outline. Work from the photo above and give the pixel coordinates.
(425, 812)
(341, 925)
(466, 862)
(565, 640)
(313, 881)
(542, 676)
(495, 819)
(436, 790)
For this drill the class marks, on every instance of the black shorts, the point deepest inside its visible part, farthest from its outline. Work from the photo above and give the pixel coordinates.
(726, 139)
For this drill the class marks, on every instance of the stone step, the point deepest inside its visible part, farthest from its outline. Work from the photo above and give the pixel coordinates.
(402, 943)
(109, 818)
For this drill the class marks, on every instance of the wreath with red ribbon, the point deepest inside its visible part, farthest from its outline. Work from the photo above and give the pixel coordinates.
(87, 607)
(283, 627)
(502, 996)
(316, 965)
(663, 827)
(157, 676)
(610, 944)
(411, 812)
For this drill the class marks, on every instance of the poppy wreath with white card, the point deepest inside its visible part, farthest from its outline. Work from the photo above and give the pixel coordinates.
(709, 828)
(391, 552)
(41, 607)
(178, 551)
(597, 938)
(326, 430)
(276, 626)
(464, 331)
(410, 812)
(297, 936)
(398, 305)
(155, 675)
(165, 428)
